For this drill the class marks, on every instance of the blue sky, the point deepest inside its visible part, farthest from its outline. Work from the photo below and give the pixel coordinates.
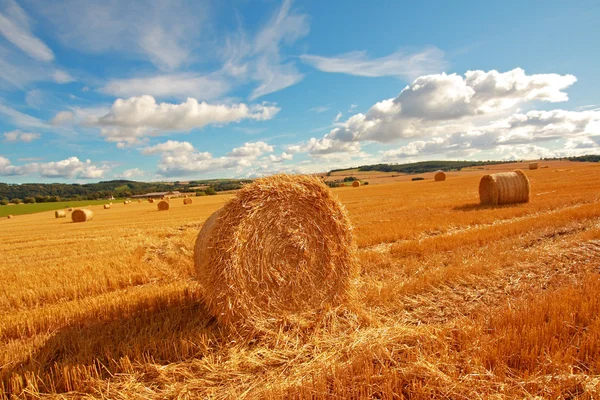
(175, 90)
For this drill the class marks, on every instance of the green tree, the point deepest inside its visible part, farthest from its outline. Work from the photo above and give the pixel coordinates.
(210, 191)
(4, 202)
(29, 200)
(16, 201)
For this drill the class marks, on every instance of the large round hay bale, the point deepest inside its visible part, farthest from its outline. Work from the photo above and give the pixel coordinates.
(82, 215)
(187, 200)
(163, 205)
(355, 184)
(9, 216)
(439, 176)
(533, 165)
(60, 214)
(504, 188)
(106, 206)
(282, 249)
(150, 200)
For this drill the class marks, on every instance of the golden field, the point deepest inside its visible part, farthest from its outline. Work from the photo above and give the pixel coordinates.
(452, 300)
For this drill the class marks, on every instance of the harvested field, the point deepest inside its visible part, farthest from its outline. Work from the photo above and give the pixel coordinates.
(452, 300)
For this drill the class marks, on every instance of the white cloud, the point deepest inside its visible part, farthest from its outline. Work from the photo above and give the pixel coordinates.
(130, 121)
(255, 149)
(15, 27)
(21, 119)
(409, 66)
(62, 118)
(170, 85)
(161, 32)
(18, 136)
(319, 110)
(71, 168)
(60, 76)
(260, 59)
(179, 159)
(338, 117)
(170, 146)
(447, 103)
(131, 173)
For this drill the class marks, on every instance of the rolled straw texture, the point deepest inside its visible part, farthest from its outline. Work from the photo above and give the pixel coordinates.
(282, 248)
(106, 206)
(187, 200)
(504, 188)
(82, 215)
(533, 165)
(163, 205)
(60, 214)
(355, 184)
(440, 176)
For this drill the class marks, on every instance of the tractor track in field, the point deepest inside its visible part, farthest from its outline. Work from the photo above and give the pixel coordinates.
(386, 247)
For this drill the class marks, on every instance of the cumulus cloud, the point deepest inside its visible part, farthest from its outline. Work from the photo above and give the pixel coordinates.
(131, 173)
(580, 129)
(71, 168)
(400, 64)
(178, 159)
(442, 103)
(130, 121)
(62, 118)
(18, 136)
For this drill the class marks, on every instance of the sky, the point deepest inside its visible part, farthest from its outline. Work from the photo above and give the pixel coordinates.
(180, 90)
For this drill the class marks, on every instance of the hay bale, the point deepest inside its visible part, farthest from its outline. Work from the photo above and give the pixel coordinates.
(60, 214)
(150, 200)
(140, 200)
(9, 216)
(355, 184)
(187, 200)
(163, 205)
(106, 206)
(82, 215)
(504, 188)
(282, 249)
(70, 209)
(533, 165)
(439, 176)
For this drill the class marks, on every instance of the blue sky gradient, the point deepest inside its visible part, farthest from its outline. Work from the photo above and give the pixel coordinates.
(183, 90)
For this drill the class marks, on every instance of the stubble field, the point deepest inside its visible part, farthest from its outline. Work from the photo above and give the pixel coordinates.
(452, 300)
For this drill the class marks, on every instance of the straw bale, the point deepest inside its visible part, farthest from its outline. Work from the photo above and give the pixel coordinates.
(282, 249)
(504, 188)
(82, 215)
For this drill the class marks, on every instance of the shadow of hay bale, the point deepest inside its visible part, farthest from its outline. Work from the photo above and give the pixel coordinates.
(479, 207)
(92, 347)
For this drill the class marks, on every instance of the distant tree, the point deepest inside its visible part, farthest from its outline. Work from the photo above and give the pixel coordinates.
(418, 178)
(16, 201)
(200, 193)
(210, 191)
(349, 179)
(28, 200)
(365, 183)
(4, 202)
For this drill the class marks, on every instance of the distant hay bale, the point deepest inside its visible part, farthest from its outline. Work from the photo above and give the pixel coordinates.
(125, 202)
(70, 209)
(504, 188)
(355, 184)
(9, 216)
(163, 205)
(187, 200)
(282, 248)
(60, 214)
(106, 206)
(150, 200)
(140, 200)
(440, 176)
(82, 215)
(533, 165)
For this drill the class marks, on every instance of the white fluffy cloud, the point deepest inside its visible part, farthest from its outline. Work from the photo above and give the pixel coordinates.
(130, 121)
(410, 66)
(71, 168)
(131, 173)
(178, 159)
(448, 105)
(18, 136)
